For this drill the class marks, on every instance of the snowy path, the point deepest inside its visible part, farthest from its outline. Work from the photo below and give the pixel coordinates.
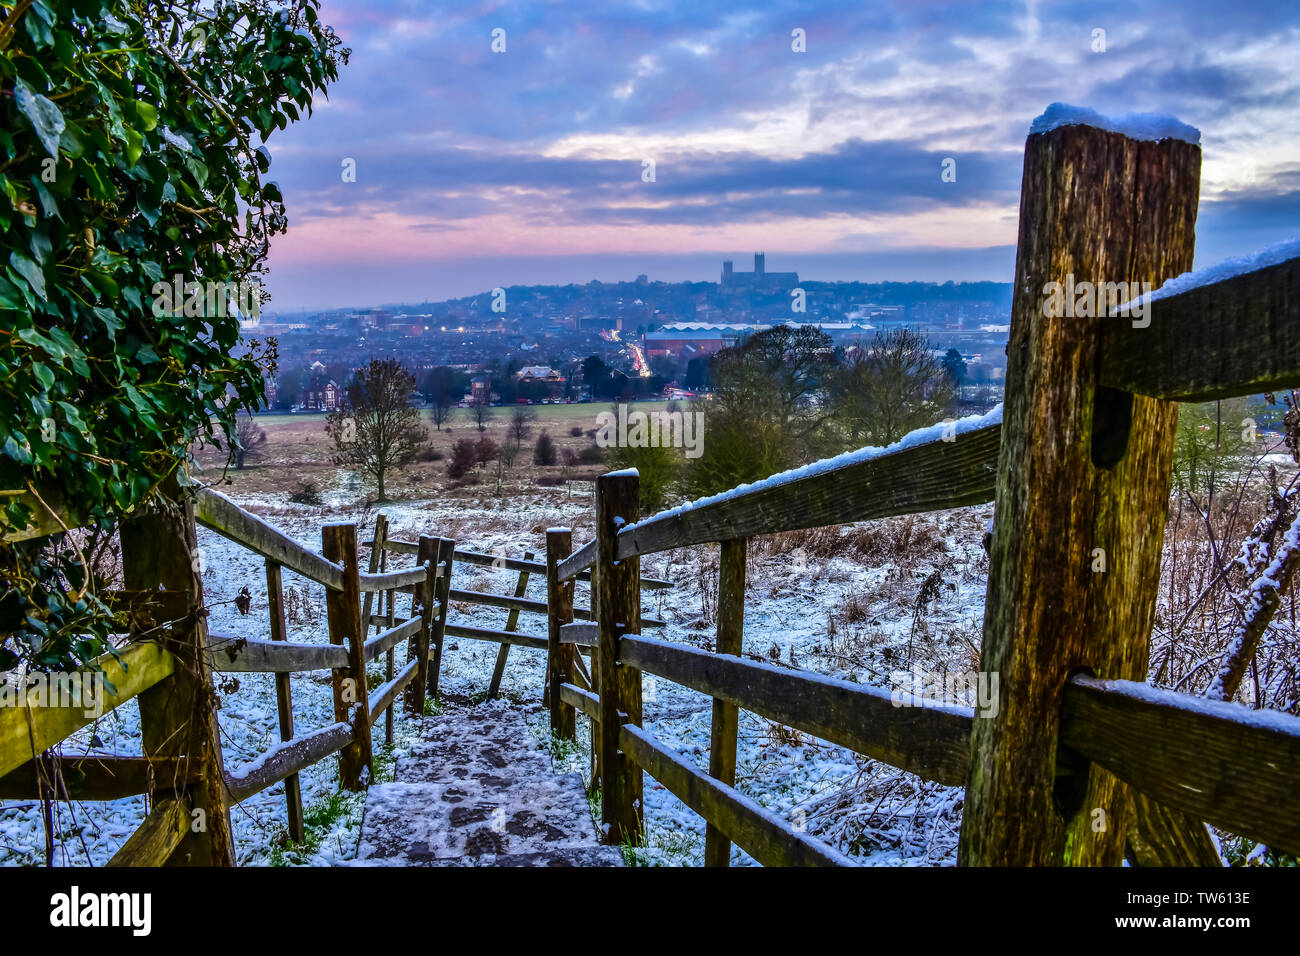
(477, 789)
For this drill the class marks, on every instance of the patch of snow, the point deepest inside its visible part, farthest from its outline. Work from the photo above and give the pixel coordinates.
(1141, 126)
(1222, 271)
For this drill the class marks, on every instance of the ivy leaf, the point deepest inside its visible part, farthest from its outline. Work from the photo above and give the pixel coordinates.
(46, 118)
(147, 113)
(134, 146)
(10, 297)
(29, 271)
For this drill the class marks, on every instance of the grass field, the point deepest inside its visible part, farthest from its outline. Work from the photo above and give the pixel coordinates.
(546, 414)
(297, 451)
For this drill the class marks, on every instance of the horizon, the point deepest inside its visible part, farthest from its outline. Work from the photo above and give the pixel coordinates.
(483, 169)
(541, 265)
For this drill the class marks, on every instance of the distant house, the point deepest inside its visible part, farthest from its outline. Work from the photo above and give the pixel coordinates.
(544, 375)
(480, 391)
(320, 393)
(538, 373)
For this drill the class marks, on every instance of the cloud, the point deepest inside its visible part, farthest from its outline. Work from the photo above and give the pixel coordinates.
(750, 137)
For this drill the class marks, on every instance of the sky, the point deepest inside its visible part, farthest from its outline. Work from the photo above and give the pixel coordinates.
(611, 139)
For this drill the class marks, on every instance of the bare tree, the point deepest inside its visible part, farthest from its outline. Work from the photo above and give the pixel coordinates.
(378, 429)
(442, 411)
(482, 415)
(886, 389)
(506, 456)
(248, 436)
(521, 423)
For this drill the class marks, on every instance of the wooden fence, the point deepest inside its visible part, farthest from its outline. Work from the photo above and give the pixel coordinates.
(182, 768)
(1079, 461)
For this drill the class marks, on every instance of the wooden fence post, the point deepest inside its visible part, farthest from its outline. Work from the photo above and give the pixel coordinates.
(343, 609)
(559, 657)
(178, 715)
(446, 551)
(377, 552)
(726, 716)
(512, 623)
(426, 596)
(619, 613)
(379, 562)
(1083, 484)
(284, 697)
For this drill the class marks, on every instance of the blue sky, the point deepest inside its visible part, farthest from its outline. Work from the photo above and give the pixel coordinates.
(477, 168)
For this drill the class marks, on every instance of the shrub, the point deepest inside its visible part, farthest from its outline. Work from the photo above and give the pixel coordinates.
(658, 467)
(593, 454)
(463, 458)
(308, 493)
(108, 377)
(486, 450)
(544, 452)
(576, 431)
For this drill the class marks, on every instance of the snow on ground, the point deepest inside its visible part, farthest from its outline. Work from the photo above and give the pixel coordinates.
(856, 603)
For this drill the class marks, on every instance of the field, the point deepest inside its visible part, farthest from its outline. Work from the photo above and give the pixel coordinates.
(297, 450)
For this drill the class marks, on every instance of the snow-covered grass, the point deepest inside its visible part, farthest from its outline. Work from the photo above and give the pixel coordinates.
(857, 602)
(838, 601)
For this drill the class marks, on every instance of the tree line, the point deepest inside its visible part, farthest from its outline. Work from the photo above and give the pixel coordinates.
(787, 396)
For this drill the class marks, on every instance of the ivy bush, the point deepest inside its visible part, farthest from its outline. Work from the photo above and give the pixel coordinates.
(132, 165)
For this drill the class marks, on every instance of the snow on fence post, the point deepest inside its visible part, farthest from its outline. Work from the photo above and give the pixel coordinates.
(351, 697)
(426, 597)
(1082, 489)
(726, 715)
(559, 611)
(284, 695)
(446, 552)
(618, 585)
(178, 717)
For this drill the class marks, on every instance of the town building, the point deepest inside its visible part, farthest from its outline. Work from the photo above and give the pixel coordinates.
(760, 280)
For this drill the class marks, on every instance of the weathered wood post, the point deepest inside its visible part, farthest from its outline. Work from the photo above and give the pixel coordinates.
(726, 716)
(343, 609)
(559, 611)
(379, 562)
(426, 596)
(618, 613)
(1083, 484)
(512, 623)
(178, 715)
(446, 551)
(377, 553)
(284, 696)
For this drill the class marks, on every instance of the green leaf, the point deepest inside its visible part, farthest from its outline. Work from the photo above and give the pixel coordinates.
(29, 271)
(46, 118)
(43, 374)
(10, 297)
(134, 146)
(147, 114)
